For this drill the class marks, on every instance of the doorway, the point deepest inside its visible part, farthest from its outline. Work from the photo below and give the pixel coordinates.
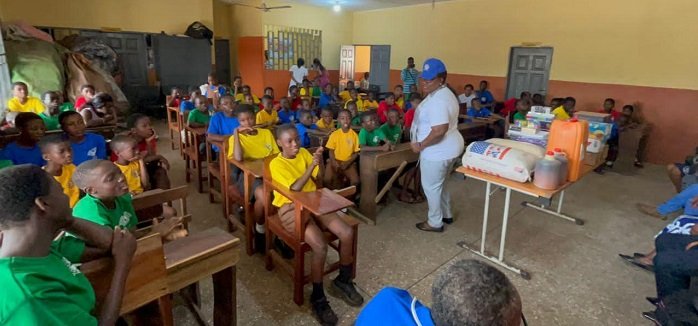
(529, 70)
(356, 60)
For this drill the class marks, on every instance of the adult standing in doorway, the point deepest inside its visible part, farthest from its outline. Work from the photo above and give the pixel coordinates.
(298, 72)
(323, 77)
(434, 135)
(409, 77)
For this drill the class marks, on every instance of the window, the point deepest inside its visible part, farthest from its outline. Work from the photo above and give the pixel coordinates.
(284, 45)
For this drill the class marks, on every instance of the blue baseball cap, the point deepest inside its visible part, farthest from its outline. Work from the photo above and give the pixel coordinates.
(431, 68)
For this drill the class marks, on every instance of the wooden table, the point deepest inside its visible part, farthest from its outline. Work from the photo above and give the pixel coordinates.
(317, 137)
(251, 169)
(371, 163)
(473, 130)
(527, 188)
(215, 253)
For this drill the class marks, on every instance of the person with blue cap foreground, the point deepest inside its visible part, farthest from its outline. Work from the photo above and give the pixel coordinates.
(434, 135)
(468, 292)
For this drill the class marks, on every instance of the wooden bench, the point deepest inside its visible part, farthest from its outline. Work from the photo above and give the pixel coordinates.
(217, 170)
(193, 158)
(156, 197)
(174, 123)
(250, 171)
(307, 204)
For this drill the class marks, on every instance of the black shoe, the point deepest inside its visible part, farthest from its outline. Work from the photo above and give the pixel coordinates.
(347, 292)
(424, 226)
(447, 220)
(283, 249)
(260, 243)
(323, 312)
(654, 301)
(652, 316)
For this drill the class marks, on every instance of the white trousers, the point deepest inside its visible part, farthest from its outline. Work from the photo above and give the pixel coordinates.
(434, 175)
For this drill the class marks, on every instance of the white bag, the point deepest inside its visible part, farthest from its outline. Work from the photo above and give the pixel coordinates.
(536, 150)
(501, 161)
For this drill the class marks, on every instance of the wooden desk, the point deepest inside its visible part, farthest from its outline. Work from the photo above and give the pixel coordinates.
(373, 162)
(318, 138)
(473, 130)
(194, 139)
(212, 252)
(251, 170)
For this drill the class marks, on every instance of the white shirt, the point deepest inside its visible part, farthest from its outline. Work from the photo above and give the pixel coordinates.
(467, 100)
(298, 74)
(438, 108)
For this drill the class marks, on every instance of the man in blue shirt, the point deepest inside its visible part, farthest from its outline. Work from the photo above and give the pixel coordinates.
(486, 98)
(468, 292)
(223, 123)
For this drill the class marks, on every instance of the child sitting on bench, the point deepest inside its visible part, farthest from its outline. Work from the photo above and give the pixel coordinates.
(86, 146)
(156, 164)
(343, 145)
(58, 155)
(298, 170)
(25, 149)
(372, 138)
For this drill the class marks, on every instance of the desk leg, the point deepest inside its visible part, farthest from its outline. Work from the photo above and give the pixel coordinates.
(249, 213)
(485, 218)
(369, 183)
(225, 297)
(557, 212)
(505, 221)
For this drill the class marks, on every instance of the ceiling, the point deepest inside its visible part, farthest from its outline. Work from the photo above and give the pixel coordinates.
(355, 5)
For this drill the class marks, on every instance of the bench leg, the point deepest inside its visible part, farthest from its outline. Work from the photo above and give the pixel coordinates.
(298, 277)
(355, 251)
(187, 169)
(165, 307)
(225, 297)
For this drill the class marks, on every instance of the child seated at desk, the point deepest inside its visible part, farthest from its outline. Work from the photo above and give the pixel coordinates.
(415, 99)
(372, 138)
(345, 95)
(399, 97)
(354, 97)
(40, 285)
(296, 101)
(99, 111)
(156, 164)
(326, 122)
(21, 101)
(224, 122)
(52, 102)
(249, 143)
(370, 103)
(608, 106)
(522, 108)
(130, 163)
(188, 104)
(298, 170)
(386, 105)
(199, 117)
(477, 111)
(566, 110)
(267, 117)
(355, 115)
(87, 92)
(285, 114)
(25, 149)
(391, 129)
(175, 99)
(305, 123)
(58, 155)
(247, 91)
(85, 145)
(343, 145)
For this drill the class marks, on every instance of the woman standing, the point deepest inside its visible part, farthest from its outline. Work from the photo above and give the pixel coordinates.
(298, 72)
(323, 78)
(435, 137)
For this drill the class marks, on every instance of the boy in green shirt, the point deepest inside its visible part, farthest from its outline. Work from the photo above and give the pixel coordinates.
(392, 128)
(371, 137)
(40, 286)
(52, 101)
(199, 118)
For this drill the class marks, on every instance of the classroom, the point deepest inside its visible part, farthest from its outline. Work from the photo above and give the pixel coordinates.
(348, 162)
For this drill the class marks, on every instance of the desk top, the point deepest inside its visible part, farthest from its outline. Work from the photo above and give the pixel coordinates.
(254, 167)
(199, 131)
(473, 124)
(197, 246)
(322, 201)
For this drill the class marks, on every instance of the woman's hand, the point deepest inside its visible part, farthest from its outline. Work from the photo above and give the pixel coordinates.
(416, 147)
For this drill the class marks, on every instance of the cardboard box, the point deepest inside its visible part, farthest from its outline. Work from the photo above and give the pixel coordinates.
(595, 159)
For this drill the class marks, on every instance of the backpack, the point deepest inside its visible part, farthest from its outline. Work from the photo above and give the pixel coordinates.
(199, 30)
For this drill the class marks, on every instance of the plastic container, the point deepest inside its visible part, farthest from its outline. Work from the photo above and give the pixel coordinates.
(570, 136)
(547, 172)
(564, 163)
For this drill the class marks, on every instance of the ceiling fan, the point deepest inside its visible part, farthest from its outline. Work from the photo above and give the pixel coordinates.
(262, 7)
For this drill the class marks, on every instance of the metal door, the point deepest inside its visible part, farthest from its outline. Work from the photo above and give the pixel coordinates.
(380, 67)
(529, 70)
(223, 61)
(346, 65)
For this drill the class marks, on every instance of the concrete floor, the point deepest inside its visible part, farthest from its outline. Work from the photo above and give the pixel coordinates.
(577, 277)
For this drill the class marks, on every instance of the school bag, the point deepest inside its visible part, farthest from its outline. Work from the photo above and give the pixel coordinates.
(199, 30)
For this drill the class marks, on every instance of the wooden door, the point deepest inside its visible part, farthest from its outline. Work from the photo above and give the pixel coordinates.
(529, 70)
(380, 67)
(346, 65)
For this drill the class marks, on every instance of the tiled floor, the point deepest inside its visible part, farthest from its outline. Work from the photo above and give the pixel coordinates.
(577, 277)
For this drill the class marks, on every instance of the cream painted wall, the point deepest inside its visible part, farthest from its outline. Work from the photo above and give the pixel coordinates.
(171, 16)
(362, 58)
(631, 42)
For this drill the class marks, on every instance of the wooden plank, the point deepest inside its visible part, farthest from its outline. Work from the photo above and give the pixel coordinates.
(197, 246)
(155, 197)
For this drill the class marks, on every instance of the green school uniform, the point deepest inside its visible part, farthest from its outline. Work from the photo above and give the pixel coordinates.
(67, 106)
(197, 116)
(519, 116)
(5, 164)
(93, 210)
(371, 138)
(392, 133)
(69, 247)
(355, 121)
(44, 291)
(51, 122)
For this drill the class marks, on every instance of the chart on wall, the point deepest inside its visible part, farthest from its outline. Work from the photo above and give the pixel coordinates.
(284, 45)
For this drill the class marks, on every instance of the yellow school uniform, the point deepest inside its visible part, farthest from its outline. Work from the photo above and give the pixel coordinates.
(400, 102)
(560, 113)
(66, 181)
(255, 147)
(321, 124)
(264, 117)
(359, 105)
(344, 144)
(241, 97)
(286, 171)
(369, 105)
(132, 174)
(344, 95)
(32, 104)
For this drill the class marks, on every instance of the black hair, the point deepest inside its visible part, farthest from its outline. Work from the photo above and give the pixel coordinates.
(410, 58)
(245, 108)
(570, 99)
(23, 119)
(317, 62)
(469, 85)
(300, 62)
(389, 94)
(610, 100)
(351, 102)
(51, 140)
(101, 99)
(392, 110)
(119, 141)
(19, 83)
(345, 111)
(524, 93)
(326, 109)
(282, 129)
(87, 86)
(476, 99)
(303, 113)
(19, 187)
(525, 101)
(367, 114)
(415, 96)
(486, 82)
(292, 87)
(84, 171)
(133, 119)
(48, 93)
(629, 107)
(65, 115)
(268, 88)
(267, 97)
(397, 86)
(237, 77)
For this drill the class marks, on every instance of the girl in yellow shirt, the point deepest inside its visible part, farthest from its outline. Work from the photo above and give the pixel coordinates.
(58, 155)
